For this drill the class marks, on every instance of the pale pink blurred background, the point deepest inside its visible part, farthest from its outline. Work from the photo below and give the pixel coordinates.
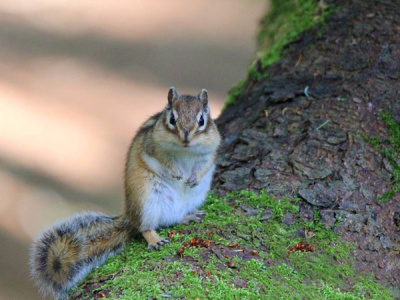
(77, 78)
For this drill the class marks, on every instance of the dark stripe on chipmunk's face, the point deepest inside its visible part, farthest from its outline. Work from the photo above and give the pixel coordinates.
(186, 118)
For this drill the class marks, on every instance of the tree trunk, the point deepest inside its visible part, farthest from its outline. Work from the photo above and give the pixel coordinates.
(300, 130)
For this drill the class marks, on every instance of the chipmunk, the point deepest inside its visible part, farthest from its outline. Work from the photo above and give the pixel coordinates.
(168, 174)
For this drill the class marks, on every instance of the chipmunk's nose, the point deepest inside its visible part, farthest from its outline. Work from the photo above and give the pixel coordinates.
(186, 137)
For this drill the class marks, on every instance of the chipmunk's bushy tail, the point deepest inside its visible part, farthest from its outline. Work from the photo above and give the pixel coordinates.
(64, 254)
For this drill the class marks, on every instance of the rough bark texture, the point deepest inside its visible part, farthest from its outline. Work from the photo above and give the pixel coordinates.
(289, 141)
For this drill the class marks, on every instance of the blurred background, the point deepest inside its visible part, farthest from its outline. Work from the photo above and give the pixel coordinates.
(77, 78)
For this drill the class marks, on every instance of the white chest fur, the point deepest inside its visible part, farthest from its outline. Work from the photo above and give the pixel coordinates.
(169, 200)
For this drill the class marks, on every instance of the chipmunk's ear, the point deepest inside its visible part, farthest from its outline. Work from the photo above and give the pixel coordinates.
(203, 97)
(172, 96)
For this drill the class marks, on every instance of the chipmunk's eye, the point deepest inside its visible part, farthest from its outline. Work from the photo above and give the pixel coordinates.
(201, 121)
(172, 120)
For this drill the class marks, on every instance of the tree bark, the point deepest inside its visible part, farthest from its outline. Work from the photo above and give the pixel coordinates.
(299, 131)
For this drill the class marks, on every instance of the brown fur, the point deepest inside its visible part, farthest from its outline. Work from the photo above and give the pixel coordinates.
(60, 258)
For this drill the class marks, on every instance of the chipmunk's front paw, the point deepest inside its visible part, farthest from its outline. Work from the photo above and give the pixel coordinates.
(158, 245)
(176, 173)
(192, 181)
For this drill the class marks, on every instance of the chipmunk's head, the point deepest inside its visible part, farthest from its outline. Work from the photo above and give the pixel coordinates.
(188, 119)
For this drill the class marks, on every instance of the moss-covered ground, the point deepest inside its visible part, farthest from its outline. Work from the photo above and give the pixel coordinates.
(248, 258)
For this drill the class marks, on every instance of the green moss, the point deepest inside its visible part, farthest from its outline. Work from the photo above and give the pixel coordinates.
(390, 149)
(234, 93)
(271, 274)
(285, 21)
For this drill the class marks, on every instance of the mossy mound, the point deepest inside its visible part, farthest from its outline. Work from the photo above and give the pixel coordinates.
(249, 252)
